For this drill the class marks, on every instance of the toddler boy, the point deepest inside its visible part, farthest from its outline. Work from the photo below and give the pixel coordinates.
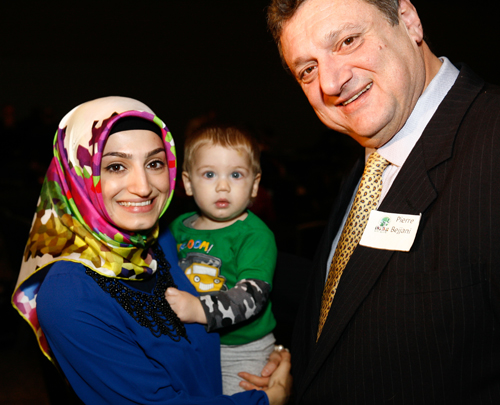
(226, 251)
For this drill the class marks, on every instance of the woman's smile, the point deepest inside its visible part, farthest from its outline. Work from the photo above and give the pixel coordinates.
(135, 204)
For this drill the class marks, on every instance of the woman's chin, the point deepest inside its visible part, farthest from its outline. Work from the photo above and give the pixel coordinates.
(137, 226)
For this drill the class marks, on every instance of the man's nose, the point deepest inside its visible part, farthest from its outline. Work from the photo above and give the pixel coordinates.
(334, 73)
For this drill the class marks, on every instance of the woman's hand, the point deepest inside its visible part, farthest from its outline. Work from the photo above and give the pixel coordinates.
(252, 381)
(276, 379)
(187, 307)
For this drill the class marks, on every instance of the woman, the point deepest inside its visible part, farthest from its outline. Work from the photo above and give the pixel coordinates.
(95, 268)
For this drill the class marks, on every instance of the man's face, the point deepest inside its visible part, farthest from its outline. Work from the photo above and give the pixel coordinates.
(361, 75)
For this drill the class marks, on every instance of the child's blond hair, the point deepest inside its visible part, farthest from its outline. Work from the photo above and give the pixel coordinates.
(227, 136)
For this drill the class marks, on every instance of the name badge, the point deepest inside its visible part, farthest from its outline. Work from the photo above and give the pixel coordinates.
(389, 231)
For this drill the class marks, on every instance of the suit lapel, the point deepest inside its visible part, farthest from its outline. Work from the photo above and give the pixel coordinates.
(411, 193)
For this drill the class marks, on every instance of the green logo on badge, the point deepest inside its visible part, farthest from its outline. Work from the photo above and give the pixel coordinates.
(385, 221)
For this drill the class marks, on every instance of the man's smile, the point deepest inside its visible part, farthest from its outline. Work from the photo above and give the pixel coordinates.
(358, 94)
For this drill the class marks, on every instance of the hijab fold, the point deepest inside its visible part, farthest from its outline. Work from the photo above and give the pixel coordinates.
(71, 222)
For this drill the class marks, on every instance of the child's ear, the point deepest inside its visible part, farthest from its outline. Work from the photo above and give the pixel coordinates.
(255, 186)
(187, 183)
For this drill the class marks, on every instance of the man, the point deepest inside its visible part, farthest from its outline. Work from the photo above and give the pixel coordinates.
(414, 315)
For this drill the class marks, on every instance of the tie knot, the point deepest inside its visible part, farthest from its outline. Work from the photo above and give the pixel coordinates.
(376, 164)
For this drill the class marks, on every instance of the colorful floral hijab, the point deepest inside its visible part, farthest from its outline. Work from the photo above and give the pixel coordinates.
(71, 222)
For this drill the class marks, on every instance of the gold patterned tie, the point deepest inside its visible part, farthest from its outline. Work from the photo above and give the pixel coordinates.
(366, 200)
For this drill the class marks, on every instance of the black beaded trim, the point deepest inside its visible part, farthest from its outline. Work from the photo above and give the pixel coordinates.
(149, 310)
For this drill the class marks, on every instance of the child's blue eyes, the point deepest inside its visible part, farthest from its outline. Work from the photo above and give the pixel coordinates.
(211, 175)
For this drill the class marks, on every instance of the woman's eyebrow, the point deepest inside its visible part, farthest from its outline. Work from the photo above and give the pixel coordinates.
(155, 151)
(118, 154)
(129, 155)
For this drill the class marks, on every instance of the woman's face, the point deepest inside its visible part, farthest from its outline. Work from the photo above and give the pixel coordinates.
(134, 179)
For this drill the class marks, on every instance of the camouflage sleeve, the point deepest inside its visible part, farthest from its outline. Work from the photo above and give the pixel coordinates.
(225, 308)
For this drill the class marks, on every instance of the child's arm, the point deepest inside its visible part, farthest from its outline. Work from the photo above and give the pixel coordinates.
(187, 307)
(225, 308)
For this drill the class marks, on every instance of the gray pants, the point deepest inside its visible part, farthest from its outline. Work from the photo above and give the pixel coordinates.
(250, 357)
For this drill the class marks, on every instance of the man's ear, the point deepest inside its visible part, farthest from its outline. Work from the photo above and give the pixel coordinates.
(187, 183)
(409, 17)
(255, 186)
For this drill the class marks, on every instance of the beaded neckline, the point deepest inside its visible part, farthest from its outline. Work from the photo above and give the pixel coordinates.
(151, 311)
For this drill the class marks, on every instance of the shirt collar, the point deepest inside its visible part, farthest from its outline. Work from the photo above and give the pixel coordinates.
(399, 147)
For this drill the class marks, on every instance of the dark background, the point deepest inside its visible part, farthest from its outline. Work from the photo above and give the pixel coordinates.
(185, 59)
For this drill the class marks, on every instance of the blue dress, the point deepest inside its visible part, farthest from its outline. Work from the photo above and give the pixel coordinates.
(108, 358)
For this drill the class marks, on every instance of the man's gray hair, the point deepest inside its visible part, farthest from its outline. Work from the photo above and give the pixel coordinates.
(280, 11)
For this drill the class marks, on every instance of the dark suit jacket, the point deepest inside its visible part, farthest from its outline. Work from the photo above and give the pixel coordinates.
(418, 327)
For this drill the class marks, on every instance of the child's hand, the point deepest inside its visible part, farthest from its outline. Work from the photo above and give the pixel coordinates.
(187, 307)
